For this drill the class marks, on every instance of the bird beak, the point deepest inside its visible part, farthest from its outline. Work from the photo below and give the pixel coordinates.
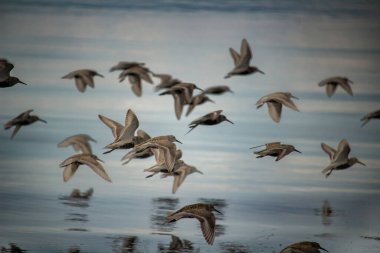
(229, 121)
(198, 88)
(178, 141)
(212, 101)
(257, 107)
(218, 211)
(100, 160)
(297, 151)
(42, 121)
(323, 249)
(23, 82)
(294, 97)
(257, 146)
(361, 163)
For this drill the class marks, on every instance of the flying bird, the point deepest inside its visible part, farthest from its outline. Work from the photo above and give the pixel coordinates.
(303, 247)
(333, 82)
(339, 158)
(217, 90)
(123, 65)
(6, 80)
(275, 101)
(275, 149)
(23, 119)
(135, 74)
(203, 213)
(80, 142)
(72, 163)
(83, 78)
(122, 134)
(211, 118)
(197, 100)
(167, 81)
(242, 61)
(369, 116)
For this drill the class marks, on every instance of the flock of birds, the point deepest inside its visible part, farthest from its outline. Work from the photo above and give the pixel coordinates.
(163, 148)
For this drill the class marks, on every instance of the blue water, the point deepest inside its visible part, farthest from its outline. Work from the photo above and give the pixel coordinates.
(266, 205)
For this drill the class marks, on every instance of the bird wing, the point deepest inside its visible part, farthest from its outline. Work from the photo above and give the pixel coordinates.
(95, 166)
(179, 177)
(5, 69)
(245, 54)
(69, 171)
(274, 110)
(141, 72)
(179, 102)
(169, 149)
(346, 87)
(143, 134)
(328, 150)
(282, 154)
(131, 124)
(116, 127)
(17, 128)
(207, 220)
(135, 81)
(235, 56)
(80, 83)
(343, 150)
(285, 99)
(84, 147)
(330, 89)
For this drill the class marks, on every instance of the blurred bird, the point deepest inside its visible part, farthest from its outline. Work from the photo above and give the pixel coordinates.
(203, 213)
(275, 101)
(333, 82)
(197, 100)
(339, 158)
(22, 120)
(182, 94)
(217, 90)
(123, 65)
(72, 163)
(242, 61)
(211, 118)
(122, 134)
(163, 143)
(135, 74)
(167, 81)
(369, 116)
(80, 142)
(140, 137)
(5, 79)
(160, 165)
(83, 78)
(303, 247)
(275, 149)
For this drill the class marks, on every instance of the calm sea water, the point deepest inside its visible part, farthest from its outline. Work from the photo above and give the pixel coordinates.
(266, 205)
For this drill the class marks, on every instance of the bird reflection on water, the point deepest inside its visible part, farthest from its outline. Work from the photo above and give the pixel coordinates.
(125, 244)
(161, 207)
(77, 199)
(176, 245)
(13, 248)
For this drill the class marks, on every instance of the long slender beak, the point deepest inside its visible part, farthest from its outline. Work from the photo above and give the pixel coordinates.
(178, 141)
(196, 87)
(323, 249)
(260, 71)
(23, 82)
(218, 211)
(257, 146)
(257, 107)
(100, 160)
(361, 163)
(212, 101)
(297, 151)
(42, 121)
(229, 121)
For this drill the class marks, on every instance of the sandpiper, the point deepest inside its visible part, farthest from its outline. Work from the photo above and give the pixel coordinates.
(275, 149)
(202, 212)
(242, 61)
(83, 77)
(211, 118)
(339, 158)
(333, 82)
(22, 120)
(275, 101)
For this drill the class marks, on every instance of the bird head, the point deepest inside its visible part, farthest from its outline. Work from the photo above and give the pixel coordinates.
(356, 160)
(224, 118)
